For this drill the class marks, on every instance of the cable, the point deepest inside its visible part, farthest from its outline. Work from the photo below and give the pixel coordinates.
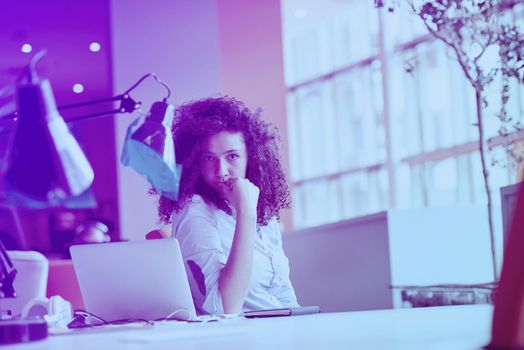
(165, 85)
(199, 319)
(135, 85)
(171, 318)
(80, 320)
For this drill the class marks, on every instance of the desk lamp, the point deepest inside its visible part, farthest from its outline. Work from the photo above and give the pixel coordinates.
(149, 148)
(47, 167)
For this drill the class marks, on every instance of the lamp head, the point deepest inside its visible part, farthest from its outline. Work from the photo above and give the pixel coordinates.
(149, 149)
(44, 146)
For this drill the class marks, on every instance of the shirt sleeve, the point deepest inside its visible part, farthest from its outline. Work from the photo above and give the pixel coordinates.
(196, 230)
(286, 294)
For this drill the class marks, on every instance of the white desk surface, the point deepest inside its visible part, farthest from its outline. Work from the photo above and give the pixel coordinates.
(449, 328)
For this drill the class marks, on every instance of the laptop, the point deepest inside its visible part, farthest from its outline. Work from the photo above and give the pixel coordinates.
(134, 280)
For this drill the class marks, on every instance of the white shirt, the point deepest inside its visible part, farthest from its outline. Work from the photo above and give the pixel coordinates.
(205, 234)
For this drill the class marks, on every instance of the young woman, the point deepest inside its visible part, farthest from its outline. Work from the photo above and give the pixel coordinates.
(225, 218)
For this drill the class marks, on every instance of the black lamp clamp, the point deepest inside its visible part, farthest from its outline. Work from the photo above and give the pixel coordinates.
(7, 274)
(15, 330)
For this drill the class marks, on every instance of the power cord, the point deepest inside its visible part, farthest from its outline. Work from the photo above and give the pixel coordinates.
(171, 316)
(86, 319)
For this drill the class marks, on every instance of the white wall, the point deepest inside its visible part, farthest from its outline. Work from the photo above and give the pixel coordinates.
(440, 246)
(252, 62)
(350, 265)
(343, 266)
(178, 41)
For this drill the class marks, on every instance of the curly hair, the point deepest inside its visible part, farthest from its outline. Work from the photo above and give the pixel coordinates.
(194, 123)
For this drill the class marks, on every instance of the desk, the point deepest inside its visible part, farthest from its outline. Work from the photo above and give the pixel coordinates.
(449, 328)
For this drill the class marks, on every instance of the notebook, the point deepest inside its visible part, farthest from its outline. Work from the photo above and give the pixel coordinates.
(287, 311)
(134, 280)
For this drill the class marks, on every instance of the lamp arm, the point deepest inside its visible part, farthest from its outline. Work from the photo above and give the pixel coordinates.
(127, 105)
(89, 103)
(93, 116)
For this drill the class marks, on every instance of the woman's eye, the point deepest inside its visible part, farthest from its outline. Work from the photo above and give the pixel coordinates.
(233, 156)
(208, 158)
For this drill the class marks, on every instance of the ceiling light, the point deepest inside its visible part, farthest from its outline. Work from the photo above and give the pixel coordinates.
(78, 88)
(26, 48)
(94, 46)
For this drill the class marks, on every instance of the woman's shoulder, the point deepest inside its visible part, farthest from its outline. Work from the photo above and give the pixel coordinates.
(194, 212)
(196, 205)
(272, 227)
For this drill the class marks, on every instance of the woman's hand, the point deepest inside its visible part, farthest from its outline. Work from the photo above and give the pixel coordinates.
(242, 195)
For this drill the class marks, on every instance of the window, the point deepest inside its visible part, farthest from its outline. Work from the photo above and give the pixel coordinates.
(380, 115)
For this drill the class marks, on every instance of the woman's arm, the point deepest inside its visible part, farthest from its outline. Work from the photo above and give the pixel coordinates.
(235, 277)
(286, 295)
(196, 229)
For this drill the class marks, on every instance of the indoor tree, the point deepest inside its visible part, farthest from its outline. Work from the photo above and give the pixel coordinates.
(475, 31)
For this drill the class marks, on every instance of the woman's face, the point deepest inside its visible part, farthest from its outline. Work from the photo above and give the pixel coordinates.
(224, 157)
